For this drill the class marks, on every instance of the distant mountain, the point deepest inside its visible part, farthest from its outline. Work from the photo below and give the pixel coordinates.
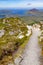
(34, 10)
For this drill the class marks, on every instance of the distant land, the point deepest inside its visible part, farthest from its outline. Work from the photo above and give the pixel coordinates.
(19, 12)
(34, 9)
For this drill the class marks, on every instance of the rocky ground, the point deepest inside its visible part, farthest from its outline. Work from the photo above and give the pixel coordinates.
(32, 51)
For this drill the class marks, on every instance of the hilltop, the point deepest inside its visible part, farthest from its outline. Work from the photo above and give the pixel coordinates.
(34, 10)
(13, 32)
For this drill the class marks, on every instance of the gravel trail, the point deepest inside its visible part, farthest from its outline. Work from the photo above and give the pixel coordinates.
(32, 51)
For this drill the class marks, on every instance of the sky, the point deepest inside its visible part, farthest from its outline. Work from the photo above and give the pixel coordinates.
(21, 3)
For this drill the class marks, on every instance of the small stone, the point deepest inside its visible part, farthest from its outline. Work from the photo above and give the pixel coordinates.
(18, 60)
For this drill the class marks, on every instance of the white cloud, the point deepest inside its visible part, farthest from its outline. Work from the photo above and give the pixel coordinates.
(26, 4)
(23, 4)
(37, 4)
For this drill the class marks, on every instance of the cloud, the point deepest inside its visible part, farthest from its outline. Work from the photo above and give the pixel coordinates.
(29, 4)
(20, 3)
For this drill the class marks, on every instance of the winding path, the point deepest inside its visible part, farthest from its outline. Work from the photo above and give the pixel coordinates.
(32, 50)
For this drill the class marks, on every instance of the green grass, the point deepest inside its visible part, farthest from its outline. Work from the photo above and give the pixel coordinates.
(11, 42)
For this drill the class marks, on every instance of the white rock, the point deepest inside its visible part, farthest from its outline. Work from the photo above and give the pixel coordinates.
(28, 33)
(11, 32)
(41, 37)
(4, 21)
(2, 32)
(17, 60)
(36, 25)
(10, 64)
(29, 27)
(38, 28)
(20, 36)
